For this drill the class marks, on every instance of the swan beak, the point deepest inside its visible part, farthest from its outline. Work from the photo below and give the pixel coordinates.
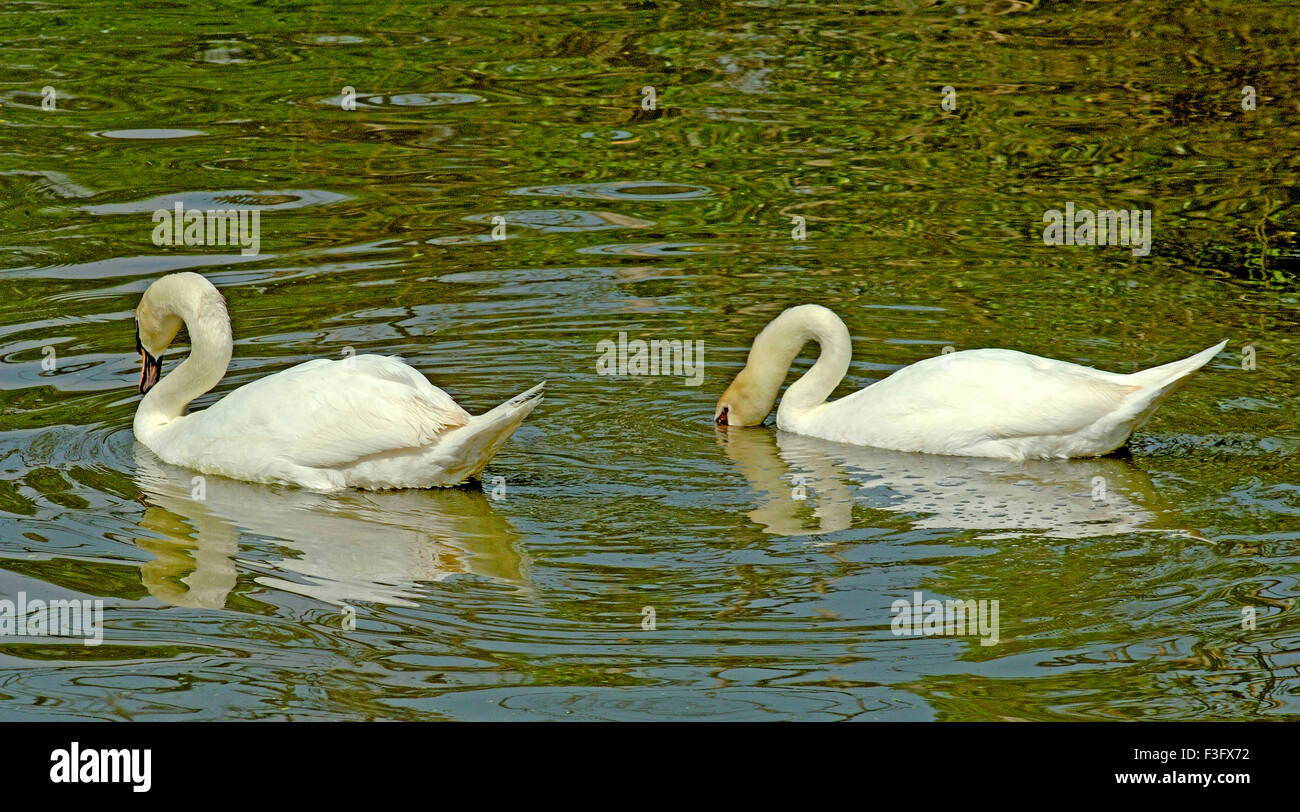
(721, 419)
(150, 367)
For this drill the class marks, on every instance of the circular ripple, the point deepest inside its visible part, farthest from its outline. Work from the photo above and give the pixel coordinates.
(626, 190)
(609, 135)
(563, 220)
(338, 39)
(268, 199)
(149, 134)
(380, 100)
(657, 249)
(675, 703)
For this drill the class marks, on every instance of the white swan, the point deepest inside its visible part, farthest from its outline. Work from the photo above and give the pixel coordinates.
(366, 421)
(975, 403)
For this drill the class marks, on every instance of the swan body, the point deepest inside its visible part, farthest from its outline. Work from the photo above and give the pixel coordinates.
(974, 403)
(367, 421)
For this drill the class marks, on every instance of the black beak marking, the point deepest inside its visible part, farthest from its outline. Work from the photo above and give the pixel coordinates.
(721, 419)
(150, 367)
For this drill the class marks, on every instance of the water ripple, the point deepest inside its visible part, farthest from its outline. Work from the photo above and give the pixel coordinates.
(627, 190)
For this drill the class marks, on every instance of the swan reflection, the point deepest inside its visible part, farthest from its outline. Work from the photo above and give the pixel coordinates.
(1063, 499)
(343, 547)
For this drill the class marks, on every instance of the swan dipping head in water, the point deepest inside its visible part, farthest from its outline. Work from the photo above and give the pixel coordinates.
(974, 403)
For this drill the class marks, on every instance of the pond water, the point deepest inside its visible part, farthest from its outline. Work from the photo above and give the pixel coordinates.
(626, 558)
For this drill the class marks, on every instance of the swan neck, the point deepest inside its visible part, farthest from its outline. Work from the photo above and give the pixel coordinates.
(208, 325)
(779, 343)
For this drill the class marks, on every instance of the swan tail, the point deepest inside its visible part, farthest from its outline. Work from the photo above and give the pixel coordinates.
(1157, 383)
(471, 447)
(1170, 373)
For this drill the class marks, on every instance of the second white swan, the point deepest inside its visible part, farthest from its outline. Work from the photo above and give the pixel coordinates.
(367, 421)
(974, 403)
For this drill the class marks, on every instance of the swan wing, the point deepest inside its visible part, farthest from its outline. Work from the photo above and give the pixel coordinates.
(327, 413)
(994, 394)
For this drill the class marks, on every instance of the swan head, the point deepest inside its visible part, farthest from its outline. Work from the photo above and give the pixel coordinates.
(747, 401)
(155, 328)
(750, 397)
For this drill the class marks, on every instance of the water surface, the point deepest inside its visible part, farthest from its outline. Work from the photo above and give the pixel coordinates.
(923, 232)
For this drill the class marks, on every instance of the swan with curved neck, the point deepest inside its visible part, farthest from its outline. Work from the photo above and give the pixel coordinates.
(976, 403)
(366, 421)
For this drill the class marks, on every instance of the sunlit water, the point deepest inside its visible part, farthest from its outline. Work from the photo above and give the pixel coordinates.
(1122, 582)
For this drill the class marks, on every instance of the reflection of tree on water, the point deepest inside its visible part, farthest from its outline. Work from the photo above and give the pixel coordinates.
(353, 546)
(1055, 498)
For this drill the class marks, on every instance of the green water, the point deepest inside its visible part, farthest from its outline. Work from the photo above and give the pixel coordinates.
(923, 231)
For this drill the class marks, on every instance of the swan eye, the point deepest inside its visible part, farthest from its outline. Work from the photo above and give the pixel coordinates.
(721, 419)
